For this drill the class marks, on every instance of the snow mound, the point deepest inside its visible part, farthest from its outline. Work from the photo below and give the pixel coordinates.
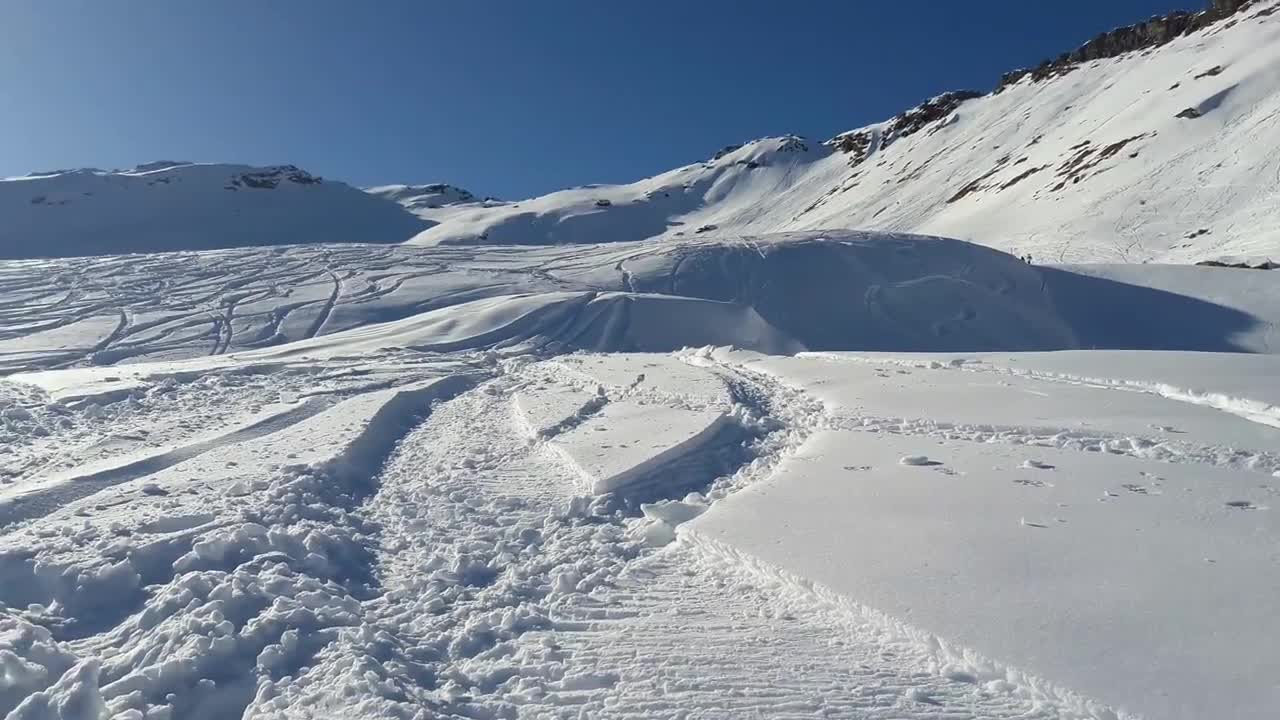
(621, 322)
(627, 442)
(167, 206)
(836, 290)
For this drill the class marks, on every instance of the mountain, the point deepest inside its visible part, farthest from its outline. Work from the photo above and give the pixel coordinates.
(1156, 142)
(705, 473)
(188, 206)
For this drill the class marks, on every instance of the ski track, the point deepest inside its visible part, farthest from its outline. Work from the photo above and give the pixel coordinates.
(53, 492)
(453, 569)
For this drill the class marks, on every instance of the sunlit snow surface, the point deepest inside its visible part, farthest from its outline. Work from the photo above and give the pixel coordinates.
(375, 482)
(1100, 164)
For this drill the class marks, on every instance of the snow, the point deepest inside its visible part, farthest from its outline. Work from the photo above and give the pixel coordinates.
(816, 291)
(1099, 164)
(1090, 166)
(626, 442)
(188, 206)
(1078, 579)
(671, 464)
(460, 512)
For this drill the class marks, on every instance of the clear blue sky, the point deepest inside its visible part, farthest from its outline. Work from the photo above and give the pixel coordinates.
(507, 98)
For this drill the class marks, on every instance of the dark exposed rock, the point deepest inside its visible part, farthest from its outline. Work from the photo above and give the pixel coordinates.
(1243, 264)
(269, 178)
(1190, 113)
(1088, 156)
(1026, 174)
(793, 143)
(1151, 33)
(603, 203)
(856, 144)
(927, 112)
(725, 151)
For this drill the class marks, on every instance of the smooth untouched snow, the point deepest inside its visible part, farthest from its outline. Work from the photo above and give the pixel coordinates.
(1140, 584)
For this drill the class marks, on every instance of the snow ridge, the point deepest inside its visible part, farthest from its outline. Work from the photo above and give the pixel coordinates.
(170, 206)
(1079, 160)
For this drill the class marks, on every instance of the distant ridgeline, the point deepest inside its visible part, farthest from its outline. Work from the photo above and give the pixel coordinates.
(1150, 33)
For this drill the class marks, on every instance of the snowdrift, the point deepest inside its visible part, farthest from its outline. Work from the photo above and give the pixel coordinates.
(184, 206)
(781, 293)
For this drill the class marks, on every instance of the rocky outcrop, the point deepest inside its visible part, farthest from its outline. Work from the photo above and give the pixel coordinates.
(855, 144)
(1151, 33)
(1242, 263)
(270, 178)
(858, 143)
(924, 114)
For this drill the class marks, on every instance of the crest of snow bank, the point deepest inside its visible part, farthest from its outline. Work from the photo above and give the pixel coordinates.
(775, 294)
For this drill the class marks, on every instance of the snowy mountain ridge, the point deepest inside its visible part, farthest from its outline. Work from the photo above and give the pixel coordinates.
(1150, 143)
(603, 454)
(188, 206)
(1130, 149)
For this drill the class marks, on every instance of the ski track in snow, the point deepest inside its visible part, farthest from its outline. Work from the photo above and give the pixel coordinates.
(410, 520)
(461, 571)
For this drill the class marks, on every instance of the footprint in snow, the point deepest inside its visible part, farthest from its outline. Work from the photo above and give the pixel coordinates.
(1036, 465)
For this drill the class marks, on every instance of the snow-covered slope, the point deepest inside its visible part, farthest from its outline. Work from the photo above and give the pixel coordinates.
(701, 473)
(1169, 153)
(780, 293)
(403, 533)
(184, 206)
(396, 481)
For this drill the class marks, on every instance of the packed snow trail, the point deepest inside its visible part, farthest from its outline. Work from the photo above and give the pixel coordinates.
(457, 566)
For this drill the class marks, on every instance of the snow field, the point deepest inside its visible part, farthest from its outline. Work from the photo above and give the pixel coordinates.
(1064, 559)
(454, 513)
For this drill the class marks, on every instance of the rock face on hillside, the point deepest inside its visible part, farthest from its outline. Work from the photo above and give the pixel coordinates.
(1150, 33)
(1129, 149)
